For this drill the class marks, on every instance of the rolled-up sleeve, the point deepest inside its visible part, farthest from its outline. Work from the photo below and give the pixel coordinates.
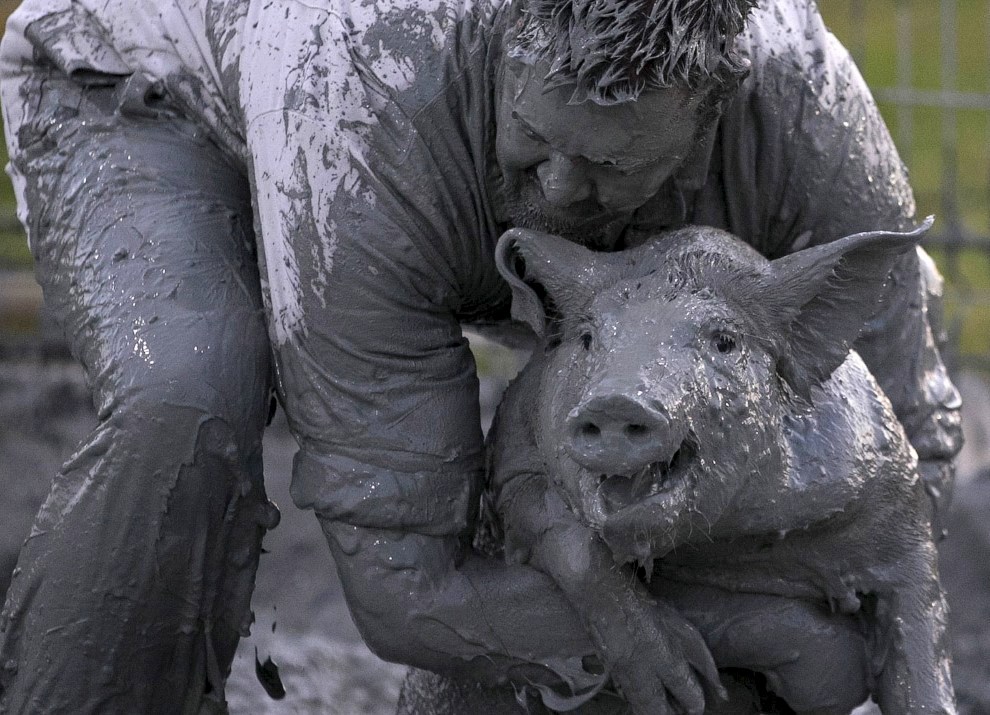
(380, 389)
(376, 379)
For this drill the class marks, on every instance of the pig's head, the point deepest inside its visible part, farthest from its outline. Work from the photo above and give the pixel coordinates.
(667, 368)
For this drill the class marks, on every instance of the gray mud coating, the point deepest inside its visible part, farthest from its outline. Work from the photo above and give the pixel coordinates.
(314, 125)
(160, 301)
(698, 407)
(46, 411)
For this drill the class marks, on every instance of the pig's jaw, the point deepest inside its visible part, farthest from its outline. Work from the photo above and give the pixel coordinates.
(596, 497)
(671, 478)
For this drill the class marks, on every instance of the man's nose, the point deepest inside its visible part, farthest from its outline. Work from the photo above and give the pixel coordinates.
(564, 180)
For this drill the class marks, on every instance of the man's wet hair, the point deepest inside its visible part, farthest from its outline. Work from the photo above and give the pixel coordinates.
(612, 51)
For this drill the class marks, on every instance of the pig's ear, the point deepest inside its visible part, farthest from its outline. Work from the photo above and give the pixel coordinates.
(548, 275)
(825, 295)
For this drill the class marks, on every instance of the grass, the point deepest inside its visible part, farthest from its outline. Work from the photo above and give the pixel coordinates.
(918, 131)
(14, 254)
(13, 250)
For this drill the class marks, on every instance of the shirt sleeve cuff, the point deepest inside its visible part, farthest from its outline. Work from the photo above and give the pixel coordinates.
(436, 502)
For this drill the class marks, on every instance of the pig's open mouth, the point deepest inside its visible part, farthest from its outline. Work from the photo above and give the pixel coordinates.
(619, 491)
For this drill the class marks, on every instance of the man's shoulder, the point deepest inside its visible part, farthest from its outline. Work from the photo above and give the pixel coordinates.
(799, 68)
(788, 40)
(372, 27)
(317, 54)
(111, 36)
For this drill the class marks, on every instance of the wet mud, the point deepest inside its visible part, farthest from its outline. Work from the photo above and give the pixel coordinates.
(301, 621)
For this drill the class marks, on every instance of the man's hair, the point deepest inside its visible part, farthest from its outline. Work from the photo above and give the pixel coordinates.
(613, 50)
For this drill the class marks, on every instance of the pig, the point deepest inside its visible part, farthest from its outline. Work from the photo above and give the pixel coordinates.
(696, 420)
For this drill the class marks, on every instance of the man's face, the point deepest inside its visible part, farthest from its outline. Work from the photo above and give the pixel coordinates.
(580, 171)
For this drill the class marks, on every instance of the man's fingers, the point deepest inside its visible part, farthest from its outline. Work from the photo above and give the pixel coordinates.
(645, 696)
(689, 646)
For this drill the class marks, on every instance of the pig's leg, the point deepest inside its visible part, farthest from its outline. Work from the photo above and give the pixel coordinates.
(811, 657)
(911, 640)
(654, 655)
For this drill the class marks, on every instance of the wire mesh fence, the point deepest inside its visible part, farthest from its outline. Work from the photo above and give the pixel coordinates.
(928, 64)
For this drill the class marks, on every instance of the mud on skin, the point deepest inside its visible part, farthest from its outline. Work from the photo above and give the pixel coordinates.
(697, 413)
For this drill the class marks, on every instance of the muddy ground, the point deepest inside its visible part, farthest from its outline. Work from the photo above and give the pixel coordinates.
(301, 618)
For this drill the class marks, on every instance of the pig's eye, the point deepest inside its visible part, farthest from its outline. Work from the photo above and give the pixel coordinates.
(724, 342)
(586, 340)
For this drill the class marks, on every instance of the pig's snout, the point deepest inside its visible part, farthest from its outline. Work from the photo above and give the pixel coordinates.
(616, 434)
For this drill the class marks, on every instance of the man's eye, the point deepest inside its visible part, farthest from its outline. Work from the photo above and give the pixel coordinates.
(525, 129)
(530, 134)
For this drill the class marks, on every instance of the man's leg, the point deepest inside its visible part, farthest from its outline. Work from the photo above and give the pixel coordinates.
(134, 585)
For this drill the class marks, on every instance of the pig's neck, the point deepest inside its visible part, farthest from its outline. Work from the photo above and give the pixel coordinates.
(830, 453)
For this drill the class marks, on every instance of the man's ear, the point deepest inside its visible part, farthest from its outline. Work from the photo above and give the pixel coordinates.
(548, 275)
(823, 296)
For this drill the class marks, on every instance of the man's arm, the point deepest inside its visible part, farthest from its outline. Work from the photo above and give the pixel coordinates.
(428, 602)
(824, 166)
(363, 272)
(902, 349)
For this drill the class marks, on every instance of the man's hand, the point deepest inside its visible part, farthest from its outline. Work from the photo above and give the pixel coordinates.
(658, 660)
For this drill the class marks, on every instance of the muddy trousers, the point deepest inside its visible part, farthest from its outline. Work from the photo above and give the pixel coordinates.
(134, 585)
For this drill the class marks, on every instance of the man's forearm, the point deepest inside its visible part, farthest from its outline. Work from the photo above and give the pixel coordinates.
(483, 619)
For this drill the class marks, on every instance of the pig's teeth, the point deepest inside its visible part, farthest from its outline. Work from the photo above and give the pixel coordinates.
(621, 490)
(661, 470)
(664, 472)
(642, 481)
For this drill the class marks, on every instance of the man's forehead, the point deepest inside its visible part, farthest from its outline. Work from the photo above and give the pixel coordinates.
(530, 77)
(653, 124)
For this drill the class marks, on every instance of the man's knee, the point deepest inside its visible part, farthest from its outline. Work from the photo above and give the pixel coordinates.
(201, 370)
(183, 458)
(193, 412)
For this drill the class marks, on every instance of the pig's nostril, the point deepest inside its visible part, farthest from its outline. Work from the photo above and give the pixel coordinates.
(590, 429)
(636, 431)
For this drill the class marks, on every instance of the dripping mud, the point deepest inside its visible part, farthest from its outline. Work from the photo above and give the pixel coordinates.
(44, 411)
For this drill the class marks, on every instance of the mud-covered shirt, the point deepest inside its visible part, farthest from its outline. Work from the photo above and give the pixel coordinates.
(366, 132)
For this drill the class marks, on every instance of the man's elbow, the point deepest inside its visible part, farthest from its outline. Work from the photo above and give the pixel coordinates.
(385, 613)
(396, 587)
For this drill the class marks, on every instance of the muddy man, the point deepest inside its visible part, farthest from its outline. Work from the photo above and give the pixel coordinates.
(230, 197)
